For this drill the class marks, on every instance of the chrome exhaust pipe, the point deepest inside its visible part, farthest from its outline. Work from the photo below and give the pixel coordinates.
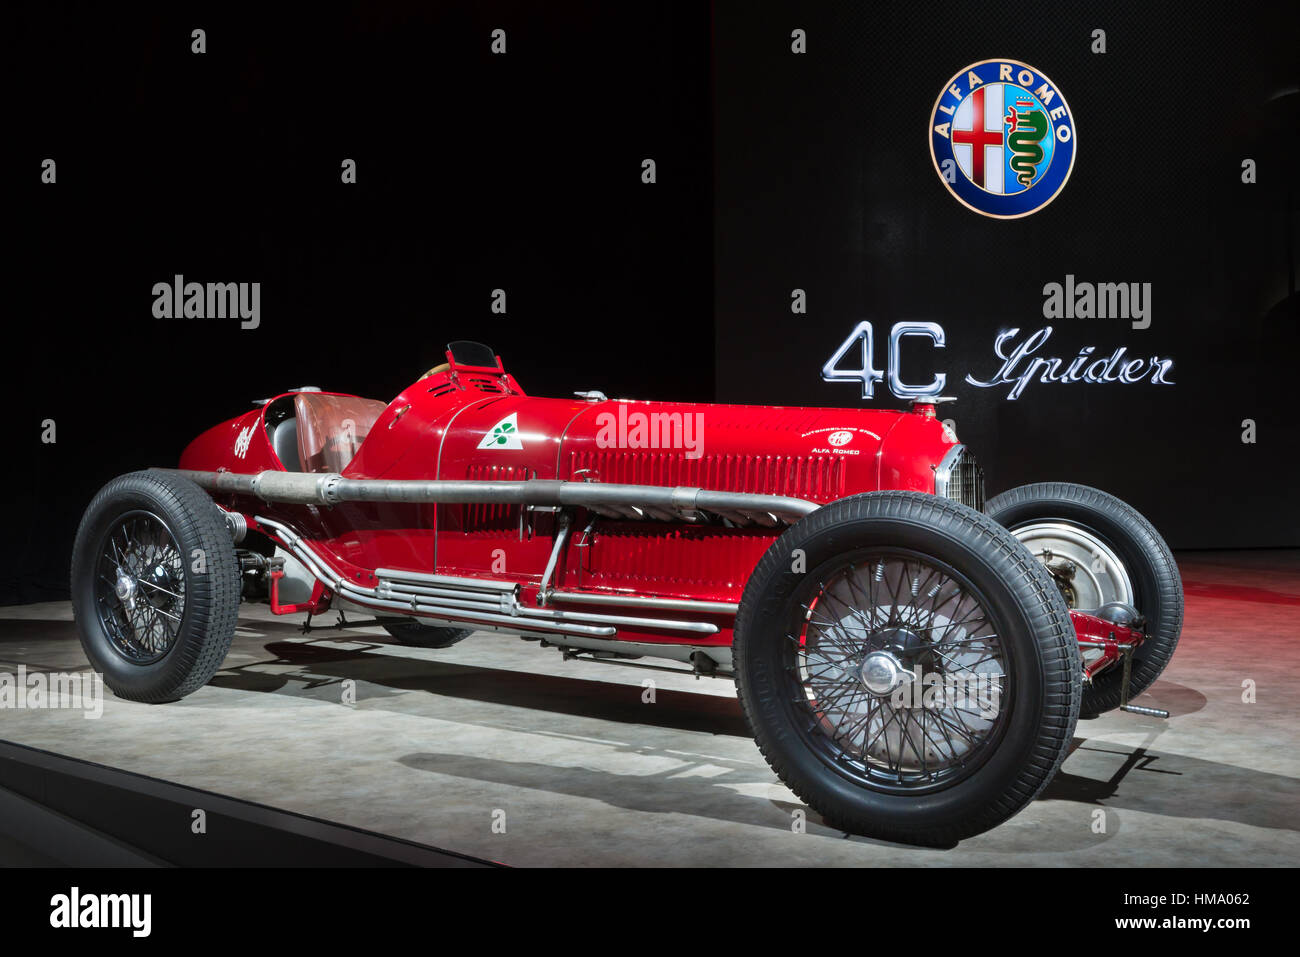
(655, 501)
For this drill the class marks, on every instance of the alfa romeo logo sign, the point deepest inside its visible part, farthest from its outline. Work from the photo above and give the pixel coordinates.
(1002, 138)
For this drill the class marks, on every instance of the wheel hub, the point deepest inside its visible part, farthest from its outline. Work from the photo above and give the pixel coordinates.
(882, 673)
(1085, 568)
(873, 633)
(140, 586)
(125, 588)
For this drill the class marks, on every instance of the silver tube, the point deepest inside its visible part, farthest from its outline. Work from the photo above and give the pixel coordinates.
(304, 488)
(501, 622)
(697, 627)
(406, 590)
(366, 596)
(719, 653)
(1149, 712)
(561, 537)
(471, 607)
(514, 622)
(533, 492)
(633, 601)
(451, 581)
(436, 596)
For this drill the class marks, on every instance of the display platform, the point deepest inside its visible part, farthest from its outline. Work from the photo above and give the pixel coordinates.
(502, 751)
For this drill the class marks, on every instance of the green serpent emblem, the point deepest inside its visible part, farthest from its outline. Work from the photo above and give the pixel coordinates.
(1027, 130)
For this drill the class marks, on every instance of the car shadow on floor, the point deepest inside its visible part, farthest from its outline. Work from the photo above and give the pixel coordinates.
(1142, 779)
(1120, 777)
(319, 665)
(716, 794)
(1186, 788)
(1174, 785)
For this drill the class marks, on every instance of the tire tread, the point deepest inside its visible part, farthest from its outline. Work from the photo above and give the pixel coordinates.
(1049, 619)
(1104, 694)
(211, 599)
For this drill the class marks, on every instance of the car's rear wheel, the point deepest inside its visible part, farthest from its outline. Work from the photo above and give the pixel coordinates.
(417, 635)
(155, 586)
(1101, 550)
(907, 668)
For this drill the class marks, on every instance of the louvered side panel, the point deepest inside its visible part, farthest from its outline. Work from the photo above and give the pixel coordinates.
(491, 517)
(674, 561)
(818, 478)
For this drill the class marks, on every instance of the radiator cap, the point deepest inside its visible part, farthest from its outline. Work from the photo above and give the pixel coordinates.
(924, 405)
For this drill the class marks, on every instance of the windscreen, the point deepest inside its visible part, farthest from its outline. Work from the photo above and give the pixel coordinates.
(466, 352)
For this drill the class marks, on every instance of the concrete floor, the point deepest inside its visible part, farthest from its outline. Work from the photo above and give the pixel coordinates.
(439, 744)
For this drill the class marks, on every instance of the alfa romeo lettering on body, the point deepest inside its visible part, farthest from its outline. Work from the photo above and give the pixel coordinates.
(1002, 138)
(837, 440)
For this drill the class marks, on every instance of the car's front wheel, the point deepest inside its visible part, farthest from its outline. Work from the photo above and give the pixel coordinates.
(155, 586)
(907, 668)
(1101, 550)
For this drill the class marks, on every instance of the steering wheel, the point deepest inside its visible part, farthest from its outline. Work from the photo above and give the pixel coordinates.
(436, 369)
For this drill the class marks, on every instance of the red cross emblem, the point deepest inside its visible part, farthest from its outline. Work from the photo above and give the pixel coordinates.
(978, 137)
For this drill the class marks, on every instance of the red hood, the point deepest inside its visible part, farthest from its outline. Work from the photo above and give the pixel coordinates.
(434, 430)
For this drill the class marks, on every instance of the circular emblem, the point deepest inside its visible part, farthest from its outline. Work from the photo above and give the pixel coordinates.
(839, 438)
(1002, 138)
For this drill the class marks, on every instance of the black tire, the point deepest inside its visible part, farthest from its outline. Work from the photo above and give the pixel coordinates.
(1041, 659)
(1157, 586)
(161, 508)
(417, 635)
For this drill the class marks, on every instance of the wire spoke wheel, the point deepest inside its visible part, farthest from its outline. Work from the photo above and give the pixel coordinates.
(140, 586)
(907, 667)
(155, 586)
(900, 670)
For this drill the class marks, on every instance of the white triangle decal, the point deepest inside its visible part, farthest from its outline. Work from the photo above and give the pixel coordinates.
(503, 435)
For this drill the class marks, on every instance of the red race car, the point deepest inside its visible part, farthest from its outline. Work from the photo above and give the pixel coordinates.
(911, 659)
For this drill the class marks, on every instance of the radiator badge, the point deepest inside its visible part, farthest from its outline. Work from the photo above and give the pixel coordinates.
(503, 435)
(1002, 138)
(837, 440)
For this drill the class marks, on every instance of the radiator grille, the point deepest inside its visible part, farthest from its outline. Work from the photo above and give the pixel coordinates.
(963, 481)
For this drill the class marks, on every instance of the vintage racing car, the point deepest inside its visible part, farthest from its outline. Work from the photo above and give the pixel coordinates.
(911, 659)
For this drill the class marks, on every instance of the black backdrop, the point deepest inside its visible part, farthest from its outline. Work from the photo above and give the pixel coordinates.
(523, 172)
(825, 183)
(475, 172)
